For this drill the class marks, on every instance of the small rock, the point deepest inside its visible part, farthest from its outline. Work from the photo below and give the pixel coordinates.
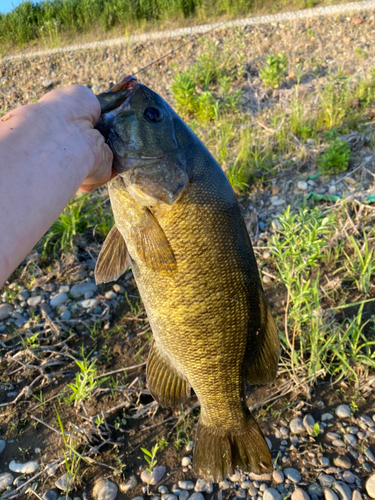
(88, 303)
(292, 474)
(343, 411)
(59, 299)
(269, 444)
(271, 494)
(276, 225)
(302, 185)
(356, 495)
(89, 294)
(189, 446)
(315, 489)
(64, 498)
(240, 493)
(139, 498)
(326, 480)
(343, 490)
(343, 462)
(6, 479)
(186, 485)
(50, 495)
(110, 295)
(105, 490)
(253, 492)
(339, 443)
(64, 289)
(2, 445)
(155, 477)
(332, 189)
(184, 495)
(259, 477)
(64, 482)
(169, 496)
(326, 416)
(349, 438)
(308, 423)
(24, 295)
(197, 496)
(330, 495)
(185, 461)
(118, 288)
(278, 476)
(324, 461)
(35, 301)
(200, 485)
(45, 308)
(129, 485)
(47, 83)
(369, 455)
(51, 469)
(300, 494)
(162, 489)
(66, 315)
(81, 288)
(367, 420)
(5, 311)
(27, 468)
(235, 478)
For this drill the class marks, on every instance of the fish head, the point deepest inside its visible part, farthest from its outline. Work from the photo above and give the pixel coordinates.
(138, 126)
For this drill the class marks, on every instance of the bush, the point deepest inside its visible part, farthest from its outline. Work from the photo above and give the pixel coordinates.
(336, 158)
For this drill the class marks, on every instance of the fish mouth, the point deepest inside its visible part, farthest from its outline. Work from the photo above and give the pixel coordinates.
(117, 96)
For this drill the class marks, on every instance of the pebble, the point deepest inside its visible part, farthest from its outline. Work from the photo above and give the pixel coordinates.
(315, 489)
(330, 495)
(2, 445)
(66, 315)
(352, 429)
(253, 492)
(200, 485)
(367, 420)
(104, 489)
(284, 431)
(6, 479)
(292, 474)
(59, 299)
(88, 303)
(351, 439)
(139, 498)
(24, 295)
(185, 461)
(189, 446)
(276, 225)
(300, 494)
(245, 485)
(35, 301)
(369, 455)
(155, 477)
(163, 489)
(343, 490)
(110, 295)
(361, 435)
(302, 185)
(308, 423)
(366, 466)
(5, 311)
(339, 443)
(89, 294)
(343, 411)
(263, 487)
(324, 461)
(27, 468)
(235, 478)
(278, 476)
(50, 495)
(64, 482)
(184, 495)
(343, 462)
(129, 485)
(356, 495)
(81, 288)
(64, 288)
(186, 485)
(197, 496)
(326, 416)
(259, 477)
(168, 496)
(269, 444)
(241, 493)
(326, 480)
(271, 494)
(296, 426)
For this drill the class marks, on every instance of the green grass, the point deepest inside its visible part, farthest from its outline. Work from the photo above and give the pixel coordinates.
(274, 70)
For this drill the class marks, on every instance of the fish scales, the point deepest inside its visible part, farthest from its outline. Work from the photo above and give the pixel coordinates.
(178, 220)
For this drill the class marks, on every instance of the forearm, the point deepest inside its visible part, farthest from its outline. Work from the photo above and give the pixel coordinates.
(43, 162)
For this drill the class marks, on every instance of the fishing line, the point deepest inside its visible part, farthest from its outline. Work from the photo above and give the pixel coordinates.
(197, 37)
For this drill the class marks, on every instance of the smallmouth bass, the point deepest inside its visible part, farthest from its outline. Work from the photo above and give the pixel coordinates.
(179, 226)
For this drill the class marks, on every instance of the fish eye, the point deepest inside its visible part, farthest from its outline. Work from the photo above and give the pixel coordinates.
(153, 115)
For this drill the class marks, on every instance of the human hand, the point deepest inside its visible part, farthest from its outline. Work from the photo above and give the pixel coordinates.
(75, 111)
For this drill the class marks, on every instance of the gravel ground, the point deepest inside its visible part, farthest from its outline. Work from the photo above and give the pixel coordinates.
(320, 451)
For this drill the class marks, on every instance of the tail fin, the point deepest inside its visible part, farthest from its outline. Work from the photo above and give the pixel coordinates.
(218, 452)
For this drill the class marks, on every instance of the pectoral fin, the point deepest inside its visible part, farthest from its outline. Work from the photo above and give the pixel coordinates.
(113, 259)
(152, 246)
(165, 384)
(263, 367)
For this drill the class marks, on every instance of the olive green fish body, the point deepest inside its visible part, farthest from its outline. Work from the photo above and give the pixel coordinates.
(197, 275)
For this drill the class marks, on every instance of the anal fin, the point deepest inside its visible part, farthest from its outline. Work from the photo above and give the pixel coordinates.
(164, 383)
(263, 367)
(113, 258)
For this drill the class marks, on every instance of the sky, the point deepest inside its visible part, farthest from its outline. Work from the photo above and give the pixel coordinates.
(7, 5)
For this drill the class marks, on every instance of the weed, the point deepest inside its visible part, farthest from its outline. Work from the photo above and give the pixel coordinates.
(162, 442)
(150, 457)
(25, 453)
(316, 430)
(134, 305)
(49, 34)
(335, 159)
(274, 70)
(334, 101)
(86, 381)
(360, 267)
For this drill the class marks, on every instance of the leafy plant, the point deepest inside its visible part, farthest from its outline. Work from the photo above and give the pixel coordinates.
(150, 457)
(274, 70)
(335, 159)
(360, 267)
(334, 101)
